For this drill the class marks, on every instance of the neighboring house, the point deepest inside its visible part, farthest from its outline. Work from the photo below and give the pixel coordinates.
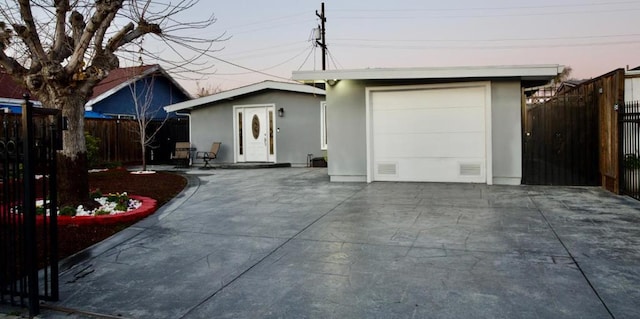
(269, 121)
(632, 85)
(568, 85)
(459, 124)
(153, 86)
(11, 97)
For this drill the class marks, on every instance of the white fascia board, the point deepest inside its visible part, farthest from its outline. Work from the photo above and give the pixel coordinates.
(18, 102)
(124, 84)
(281, 86)
(522, 71)
(632, 74)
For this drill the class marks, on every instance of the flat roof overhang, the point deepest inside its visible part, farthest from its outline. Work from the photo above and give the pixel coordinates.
(530, 75)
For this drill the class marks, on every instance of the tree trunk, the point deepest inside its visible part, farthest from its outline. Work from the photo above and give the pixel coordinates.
(73, 176)
(144, 157)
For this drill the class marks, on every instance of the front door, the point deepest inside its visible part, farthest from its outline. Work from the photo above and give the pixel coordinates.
(254, 133)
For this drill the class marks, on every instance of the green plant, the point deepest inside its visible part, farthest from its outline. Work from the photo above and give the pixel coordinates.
(631, 160)
(67, 211)
(93, 149)
(95, 194)
(111, 165)
(121, 200)
(101, 212)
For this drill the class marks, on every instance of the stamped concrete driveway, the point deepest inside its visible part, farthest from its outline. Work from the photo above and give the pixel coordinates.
(286, 243)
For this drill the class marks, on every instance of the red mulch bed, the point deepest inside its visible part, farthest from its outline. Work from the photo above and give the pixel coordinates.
(162, 187)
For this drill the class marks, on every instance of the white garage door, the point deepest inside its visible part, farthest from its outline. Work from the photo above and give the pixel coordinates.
(429, 135)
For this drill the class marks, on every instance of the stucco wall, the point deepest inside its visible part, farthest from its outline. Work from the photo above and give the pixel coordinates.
(507, 132)
(346, 117)
(299, 133)
(632, 88)
(346, 131)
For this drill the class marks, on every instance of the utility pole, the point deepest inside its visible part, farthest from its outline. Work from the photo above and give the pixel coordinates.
(322, 43)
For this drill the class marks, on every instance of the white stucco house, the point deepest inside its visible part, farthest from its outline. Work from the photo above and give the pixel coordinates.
(454, 124)
(632, 85)
(265, 122)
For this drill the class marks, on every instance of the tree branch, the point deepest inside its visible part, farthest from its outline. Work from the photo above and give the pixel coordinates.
(103, 9)
(28, 32)
(11, 65)
(60, 41)
(127, 36)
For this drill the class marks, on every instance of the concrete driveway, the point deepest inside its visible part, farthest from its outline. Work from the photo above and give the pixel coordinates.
(286, 243)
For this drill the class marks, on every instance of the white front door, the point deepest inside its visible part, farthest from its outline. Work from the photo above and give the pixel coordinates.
(254, 133)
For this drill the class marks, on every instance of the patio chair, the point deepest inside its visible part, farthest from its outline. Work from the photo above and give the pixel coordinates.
(182, 154)
(210, 155)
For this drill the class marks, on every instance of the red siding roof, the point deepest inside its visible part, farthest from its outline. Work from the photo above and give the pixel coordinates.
(117, 77)
(10, 89)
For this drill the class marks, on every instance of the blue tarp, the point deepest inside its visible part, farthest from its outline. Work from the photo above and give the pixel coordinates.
(87, 114)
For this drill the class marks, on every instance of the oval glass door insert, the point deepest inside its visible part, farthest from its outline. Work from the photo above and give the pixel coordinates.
(255, 126)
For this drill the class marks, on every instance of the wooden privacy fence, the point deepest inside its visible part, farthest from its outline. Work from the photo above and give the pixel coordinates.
(560, 138)
(119, 141)
(570, 137)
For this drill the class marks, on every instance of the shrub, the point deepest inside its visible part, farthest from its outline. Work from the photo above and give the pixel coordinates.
(93, 148)
(68, 211)
(631, 160)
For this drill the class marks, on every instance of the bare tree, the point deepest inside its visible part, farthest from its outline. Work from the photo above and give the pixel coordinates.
(209, 89)
(59, 50)
(142, 92)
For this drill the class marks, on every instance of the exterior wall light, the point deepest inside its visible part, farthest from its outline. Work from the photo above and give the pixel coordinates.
(332, 82)
(281, 112)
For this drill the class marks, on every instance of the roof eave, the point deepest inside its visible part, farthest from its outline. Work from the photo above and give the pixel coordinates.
(525, 72)
(256, 87)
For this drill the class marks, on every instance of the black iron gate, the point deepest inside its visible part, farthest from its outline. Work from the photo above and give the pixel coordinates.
(629, 138)
(560, 138)
(28, 232)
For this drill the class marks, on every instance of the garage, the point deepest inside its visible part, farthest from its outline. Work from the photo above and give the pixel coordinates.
(432, 133)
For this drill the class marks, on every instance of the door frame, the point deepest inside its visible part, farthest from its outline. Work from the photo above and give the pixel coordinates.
(270, 108)
(488, 128)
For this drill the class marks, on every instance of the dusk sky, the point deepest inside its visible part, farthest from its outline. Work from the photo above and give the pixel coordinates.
(593, 37)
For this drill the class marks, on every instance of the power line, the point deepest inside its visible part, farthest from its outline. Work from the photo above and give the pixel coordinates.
(273, 66)
(537, 46)
(312, 51)
(246, 68)
(608, 3)
(488, 40)
(335, 62)
(528, 14)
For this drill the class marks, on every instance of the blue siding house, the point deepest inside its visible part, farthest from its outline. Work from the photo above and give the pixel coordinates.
(148, 85)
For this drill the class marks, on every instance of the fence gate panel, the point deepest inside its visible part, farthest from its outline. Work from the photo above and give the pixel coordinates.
(560, 138)
(629, 135)
(28, 193)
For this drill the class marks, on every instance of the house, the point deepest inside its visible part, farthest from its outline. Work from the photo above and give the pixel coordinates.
(272, 122)
(453, 124)
(632, 85)
(153, 87)
(11, 97)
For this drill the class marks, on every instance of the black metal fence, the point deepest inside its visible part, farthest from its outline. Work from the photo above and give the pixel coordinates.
(629, 126)
(28, 206)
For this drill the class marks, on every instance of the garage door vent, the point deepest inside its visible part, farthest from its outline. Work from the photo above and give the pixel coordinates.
(388, 169)
(470, 170)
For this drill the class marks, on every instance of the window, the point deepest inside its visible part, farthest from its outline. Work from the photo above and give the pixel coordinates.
(240, 133)
(323, 125)
(271, 148)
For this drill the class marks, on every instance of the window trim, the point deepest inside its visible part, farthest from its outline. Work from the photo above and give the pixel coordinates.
(323, 126)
